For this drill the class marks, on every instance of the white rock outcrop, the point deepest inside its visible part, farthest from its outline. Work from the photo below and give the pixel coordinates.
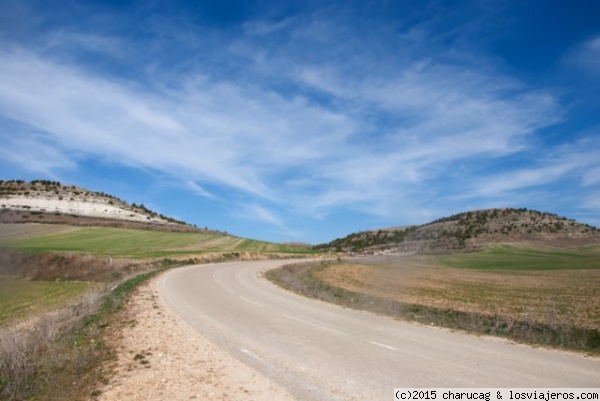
(80, 207)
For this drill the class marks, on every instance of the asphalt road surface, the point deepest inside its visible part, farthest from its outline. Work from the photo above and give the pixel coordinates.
(320, 351)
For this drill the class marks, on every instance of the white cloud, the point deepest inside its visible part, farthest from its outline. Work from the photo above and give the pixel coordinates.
(198, 190)
(74, 42)
(259, 213)
(264, 27)
(587, 56)
(502, 185)
(213, 132)
(309, 125)
(591, 177)
(591, 202)
(35, 154)
(577, 161)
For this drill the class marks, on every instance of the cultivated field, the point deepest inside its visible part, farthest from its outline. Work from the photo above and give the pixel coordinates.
(21, 298)
(10, 232)
(130, 243)
(526, 257)
(45, 266)
(533, 294)
(60, 262)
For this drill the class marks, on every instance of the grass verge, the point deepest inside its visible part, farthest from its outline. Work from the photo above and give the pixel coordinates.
(59, 358)
(306, 279)
(61, 355)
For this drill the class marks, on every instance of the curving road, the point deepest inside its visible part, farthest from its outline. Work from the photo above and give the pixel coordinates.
(320, 351)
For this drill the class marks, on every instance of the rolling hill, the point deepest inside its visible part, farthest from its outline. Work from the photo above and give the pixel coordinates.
(470, 231)
(47, 216)
(53, 203)
(43, 201)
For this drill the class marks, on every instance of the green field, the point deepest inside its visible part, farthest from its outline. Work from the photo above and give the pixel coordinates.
(590, 248)
(129, 243)
(19, 298)
(509, 257)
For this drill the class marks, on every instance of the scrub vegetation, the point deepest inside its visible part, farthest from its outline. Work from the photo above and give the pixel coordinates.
(56, 311)
(471, 231)
(60, 355)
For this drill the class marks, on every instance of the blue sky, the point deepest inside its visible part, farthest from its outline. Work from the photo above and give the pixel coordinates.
(305, 121)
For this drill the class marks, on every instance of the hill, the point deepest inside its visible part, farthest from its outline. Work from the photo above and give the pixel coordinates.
(43, 201)
(469, 231)
(72, 219)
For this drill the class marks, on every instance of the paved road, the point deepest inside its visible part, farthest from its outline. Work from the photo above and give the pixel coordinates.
(323, 352)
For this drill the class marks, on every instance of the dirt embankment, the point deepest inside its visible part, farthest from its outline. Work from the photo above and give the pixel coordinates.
(19, 216)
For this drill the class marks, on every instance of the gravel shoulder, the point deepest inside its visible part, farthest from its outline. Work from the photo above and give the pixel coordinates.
(160, 357)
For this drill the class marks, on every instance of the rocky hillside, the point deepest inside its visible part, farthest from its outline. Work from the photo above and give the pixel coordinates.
(469, 231)
(43, 201)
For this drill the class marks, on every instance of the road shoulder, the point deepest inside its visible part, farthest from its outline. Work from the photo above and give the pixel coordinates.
(159, 356)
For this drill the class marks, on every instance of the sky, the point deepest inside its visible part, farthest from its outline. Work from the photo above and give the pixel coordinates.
(307, 120)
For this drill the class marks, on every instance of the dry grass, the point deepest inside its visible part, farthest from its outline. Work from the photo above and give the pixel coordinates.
(61, 356)
(16, 265)
(570, 297)
(57, 355)
(24, 298)
(14, 231)
(552, 307)
(48, 359)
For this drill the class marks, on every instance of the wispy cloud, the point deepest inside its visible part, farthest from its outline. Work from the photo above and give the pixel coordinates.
(33, 152)
(592, 202)
(64, 41)
(255, 212)
(306, 114)
(207, 131)
(586, 56)
(378, 137)
(575, 162)
(265, 27)
(591, 176)
(198, 190)
(503, 185)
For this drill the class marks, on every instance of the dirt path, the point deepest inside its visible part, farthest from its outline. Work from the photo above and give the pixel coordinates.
(160, 357)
